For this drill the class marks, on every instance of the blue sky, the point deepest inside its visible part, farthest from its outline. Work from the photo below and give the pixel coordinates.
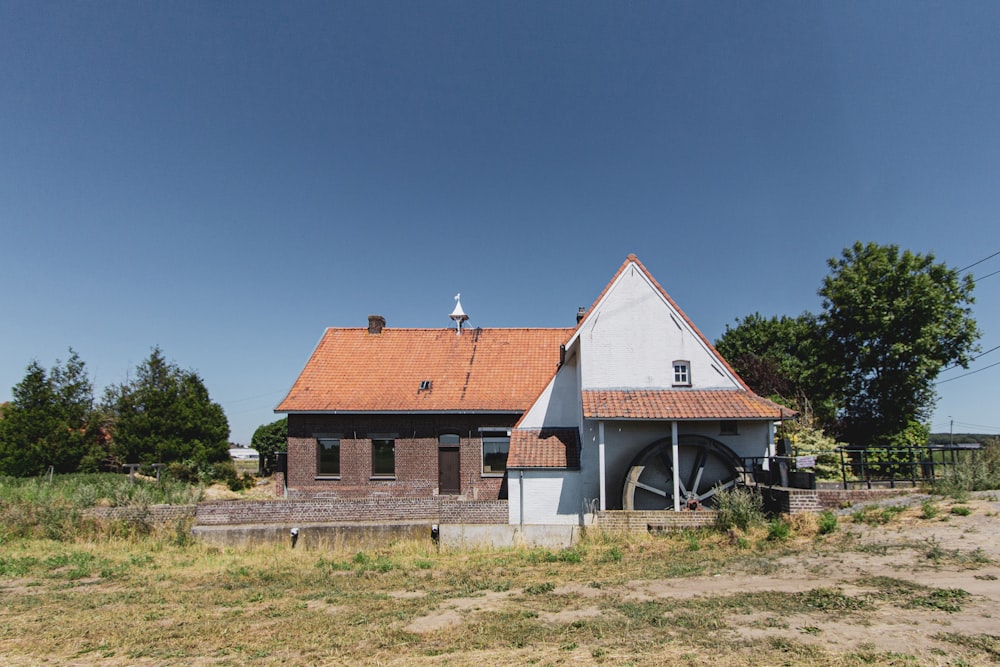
(227, 179)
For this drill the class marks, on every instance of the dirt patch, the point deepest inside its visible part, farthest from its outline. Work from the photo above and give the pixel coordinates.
(899, 574)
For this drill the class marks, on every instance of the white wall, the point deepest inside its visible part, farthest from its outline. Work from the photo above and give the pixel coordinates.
(550, 497)
(624, 440)
(559, 404)
(633, 337)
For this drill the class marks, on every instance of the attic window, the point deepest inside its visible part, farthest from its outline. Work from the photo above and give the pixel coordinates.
(682, 374)
(425, 385)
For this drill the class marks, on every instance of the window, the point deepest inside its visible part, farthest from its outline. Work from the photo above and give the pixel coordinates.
(383, 457)
(328, 457)
(496, 445)
(449, 439)
(682, 373)
(729, 428)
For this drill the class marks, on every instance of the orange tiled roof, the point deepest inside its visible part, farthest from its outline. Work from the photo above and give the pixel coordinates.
(544, 448)
(679, 404)
(489, 370)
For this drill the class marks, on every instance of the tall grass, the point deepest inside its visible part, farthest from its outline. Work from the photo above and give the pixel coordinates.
(55, 508)
(978, 472)
(739, 508)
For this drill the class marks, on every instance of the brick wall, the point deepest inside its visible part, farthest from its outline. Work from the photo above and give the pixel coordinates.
(645, 521)
(782, 500)
(416, 448)
(834, 498)
(366, 510)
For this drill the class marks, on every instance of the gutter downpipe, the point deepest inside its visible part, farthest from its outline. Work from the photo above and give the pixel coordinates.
(601, 467)
(676, 455)
(520, 490)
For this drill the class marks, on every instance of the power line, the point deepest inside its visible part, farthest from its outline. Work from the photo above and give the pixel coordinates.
(992, 349)
(992, 428)
(969, 373)
(980, 261)
(986, 276)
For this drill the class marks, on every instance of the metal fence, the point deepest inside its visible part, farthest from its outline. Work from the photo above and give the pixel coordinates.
(868, 467)
(892, 466)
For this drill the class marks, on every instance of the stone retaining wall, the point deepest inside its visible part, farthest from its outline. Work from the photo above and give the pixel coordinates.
(652, 521)
(431, 510)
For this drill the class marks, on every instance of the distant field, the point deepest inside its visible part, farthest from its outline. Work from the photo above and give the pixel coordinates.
(913, 584)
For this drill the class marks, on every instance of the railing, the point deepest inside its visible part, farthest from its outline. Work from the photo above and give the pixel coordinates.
(881, 466)
(776, 471)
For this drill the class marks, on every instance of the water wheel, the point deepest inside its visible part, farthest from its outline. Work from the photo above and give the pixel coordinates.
(705, 466)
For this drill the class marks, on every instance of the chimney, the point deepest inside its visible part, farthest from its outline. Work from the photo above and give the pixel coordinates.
(580, 314)
(375, 324)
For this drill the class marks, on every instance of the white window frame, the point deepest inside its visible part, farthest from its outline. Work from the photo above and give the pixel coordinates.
(682, 373)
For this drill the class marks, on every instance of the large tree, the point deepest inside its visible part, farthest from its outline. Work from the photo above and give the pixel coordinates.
(268, 440)
(891, 322)
(165, 415)
(776, 356)
(50, 422)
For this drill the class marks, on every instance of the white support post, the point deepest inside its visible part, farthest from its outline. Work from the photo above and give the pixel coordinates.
(600, 464)
(675, 459)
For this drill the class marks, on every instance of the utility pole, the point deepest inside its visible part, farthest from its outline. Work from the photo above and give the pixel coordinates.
(951, 430)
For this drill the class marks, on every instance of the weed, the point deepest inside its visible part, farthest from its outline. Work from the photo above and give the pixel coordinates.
(778, 530)
(738, 508)
(961, 510)
(540, 589)
(612, 555)
(830, 599)
(876, 516)
(827, 522)
(988, 644)
(929, 509)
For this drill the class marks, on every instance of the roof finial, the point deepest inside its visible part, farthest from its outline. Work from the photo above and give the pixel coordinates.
(458, 315)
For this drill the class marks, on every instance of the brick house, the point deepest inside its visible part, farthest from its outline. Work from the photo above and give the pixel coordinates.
(411, 413)
(631, 408)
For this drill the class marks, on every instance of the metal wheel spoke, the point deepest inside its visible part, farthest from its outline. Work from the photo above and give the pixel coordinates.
(707, 467)
(668, 464)
(651, 489)
(698, 470)
(718, 487)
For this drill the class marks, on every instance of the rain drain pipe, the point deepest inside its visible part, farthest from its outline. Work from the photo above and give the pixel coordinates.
(520, 490)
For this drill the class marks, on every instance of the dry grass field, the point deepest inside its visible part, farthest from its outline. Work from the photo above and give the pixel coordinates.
(914, 582)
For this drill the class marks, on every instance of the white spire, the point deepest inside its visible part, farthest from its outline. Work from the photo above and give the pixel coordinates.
(458, 315)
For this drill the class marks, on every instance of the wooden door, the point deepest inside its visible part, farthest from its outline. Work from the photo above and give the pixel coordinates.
(449, 471)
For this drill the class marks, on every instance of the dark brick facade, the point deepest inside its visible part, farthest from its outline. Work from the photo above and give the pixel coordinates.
(416, 447)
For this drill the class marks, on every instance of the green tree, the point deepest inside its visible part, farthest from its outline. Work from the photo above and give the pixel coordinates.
(777, 358)
(165, 415)
(50, 421)
(268, 440)
(891, 322)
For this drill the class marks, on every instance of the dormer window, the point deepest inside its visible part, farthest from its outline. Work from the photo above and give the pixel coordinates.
(682, 374)
(425, 385)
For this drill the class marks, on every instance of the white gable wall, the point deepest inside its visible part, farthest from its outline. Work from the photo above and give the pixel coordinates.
(560, 404)
(634, 335)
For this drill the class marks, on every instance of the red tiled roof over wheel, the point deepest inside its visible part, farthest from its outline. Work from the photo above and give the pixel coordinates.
(488, 370)
(544, 448)
(679, 404)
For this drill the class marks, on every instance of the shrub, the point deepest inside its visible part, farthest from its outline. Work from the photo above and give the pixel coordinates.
(738, 508)
(827, 522)
(974, 471)
(778, 530)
